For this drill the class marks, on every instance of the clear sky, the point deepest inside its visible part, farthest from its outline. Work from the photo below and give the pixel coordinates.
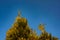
(35, 11)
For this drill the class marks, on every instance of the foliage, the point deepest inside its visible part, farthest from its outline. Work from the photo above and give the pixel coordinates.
(21, 31)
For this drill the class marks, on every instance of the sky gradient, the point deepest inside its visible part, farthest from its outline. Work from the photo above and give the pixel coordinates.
(35, 11)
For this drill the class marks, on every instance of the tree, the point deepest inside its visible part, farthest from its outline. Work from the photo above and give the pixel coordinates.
(45, 35)
(21, 31)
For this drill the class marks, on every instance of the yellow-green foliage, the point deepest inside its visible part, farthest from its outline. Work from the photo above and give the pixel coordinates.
(21, 31)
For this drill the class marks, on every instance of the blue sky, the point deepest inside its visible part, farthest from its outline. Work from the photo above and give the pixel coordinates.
(35, 11)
